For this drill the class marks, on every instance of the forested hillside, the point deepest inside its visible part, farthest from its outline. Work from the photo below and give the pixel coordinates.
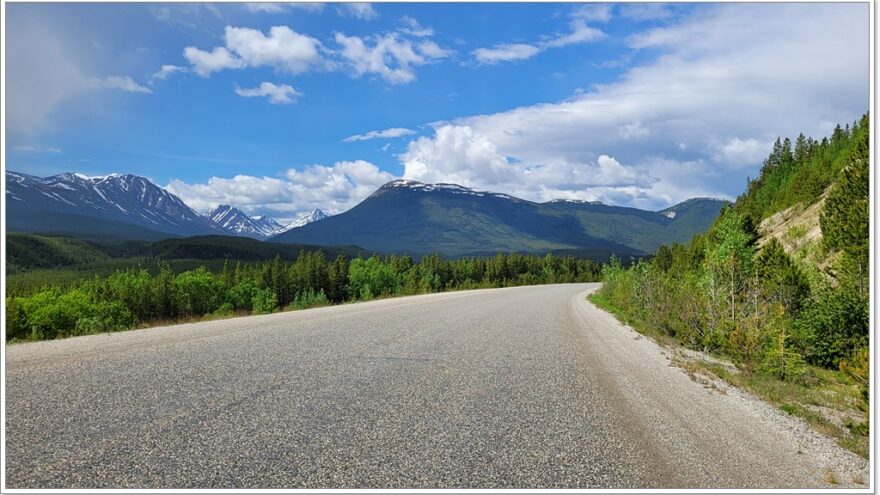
(785, 315)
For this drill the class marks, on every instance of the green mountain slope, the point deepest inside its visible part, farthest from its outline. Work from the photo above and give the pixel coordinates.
(81, 226)
(408, 216)
(27, 252)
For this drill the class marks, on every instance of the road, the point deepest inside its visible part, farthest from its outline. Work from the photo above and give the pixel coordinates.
(521, 387)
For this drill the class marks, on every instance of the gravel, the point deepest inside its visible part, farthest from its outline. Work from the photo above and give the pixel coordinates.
(528, 387)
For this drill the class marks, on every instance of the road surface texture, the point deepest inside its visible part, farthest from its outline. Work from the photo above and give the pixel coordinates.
(521, 387)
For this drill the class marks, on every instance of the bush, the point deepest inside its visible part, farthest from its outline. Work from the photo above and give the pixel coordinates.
(308, 299)
(107, 316)
(197, 292)
(833, 325)
(264, 301)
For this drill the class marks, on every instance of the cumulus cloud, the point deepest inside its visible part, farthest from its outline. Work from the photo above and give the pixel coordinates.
(394, 132)
(204, 63)
(697, 120)
(579, 32)
(360, 10)
(461, 155)
(389, 56)
(333, 189)
(123, 83)
(281, 94)
(283, 49)
(392, 56)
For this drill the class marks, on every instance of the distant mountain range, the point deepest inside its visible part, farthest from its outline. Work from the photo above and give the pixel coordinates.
(401, 216)
(410, 216)
(236, 222)
(123, 206)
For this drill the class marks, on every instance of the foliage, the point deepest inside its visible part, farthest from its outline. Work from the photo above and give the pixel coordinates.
(132, 296)
(721, 293)
(833, 325)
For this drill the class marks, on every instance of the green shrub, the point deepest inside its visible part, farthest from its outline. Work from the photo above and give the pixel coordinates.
(833, 325)
(308, 299)
(197, 292)
(264, 301)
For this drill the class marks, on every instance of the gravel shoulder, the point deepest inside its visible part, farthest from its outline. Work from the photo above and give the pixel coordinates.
(742, 435)
(529, 387)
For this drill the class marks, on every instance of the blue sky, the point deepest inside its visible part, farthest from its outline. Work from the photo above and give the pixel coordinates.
(282, 108)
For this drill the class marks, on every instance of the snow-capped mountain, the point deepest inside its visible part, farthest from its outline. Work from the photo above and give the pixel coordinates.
(310, 217)
(269, 225)
(122, 198)
(236, 222)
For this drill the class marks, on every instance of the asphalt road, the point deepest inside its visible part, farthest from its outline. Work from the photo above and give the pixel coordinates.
(523, 387)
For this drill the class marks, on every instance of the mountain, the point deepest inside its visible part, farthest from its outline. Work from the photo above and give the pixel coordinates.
(410, 216)
(236, 222)
(693, 215)
(79, 204)
(310, 217)
(268, 224)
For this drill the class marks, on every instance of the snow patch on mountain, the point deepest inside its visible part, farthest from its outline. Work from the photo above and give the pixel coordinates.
(310, 217)
(442, 186)
(234, 221)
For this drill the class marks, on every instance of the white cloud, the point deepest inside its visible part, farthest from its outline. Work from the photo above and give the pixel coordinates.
(188, 15)
(738, 152)
(696, 121)
(392, 55)
(204, 63)
(432, 50)
(594, 12)
(166, 71)
(641, 12)
(505, 52)
(413, 28)
(333, 189)
(281, 94)
(458, 155)
(124, 83)
(360, 10)
(280, 8)
(389, 56)
(283, 49)
(394, 132)
(461, 155)
(36, 149)
(579, 32)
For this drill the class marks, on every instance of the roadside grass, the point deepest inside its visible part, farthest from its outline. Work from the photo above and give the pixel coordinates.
(825, 399)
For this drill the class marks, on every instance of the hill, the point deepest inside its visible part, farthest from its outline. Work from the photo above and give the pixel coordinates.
(28, 252)
(416, 218)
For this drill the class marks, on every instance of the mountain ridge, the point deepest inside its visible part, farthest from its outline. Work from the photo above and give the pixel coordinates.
(399, 216)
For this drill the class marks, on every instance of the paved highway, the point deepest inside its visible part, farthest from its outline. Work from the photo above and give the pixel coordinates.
(521, 387)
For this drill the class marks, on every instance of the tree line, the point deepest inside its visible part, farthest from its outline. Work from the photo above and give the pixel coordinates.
(774, 312)
(133, 297)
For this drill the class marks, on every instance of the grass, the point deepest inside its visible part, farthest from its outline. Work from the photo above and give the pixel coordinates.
(825, 399)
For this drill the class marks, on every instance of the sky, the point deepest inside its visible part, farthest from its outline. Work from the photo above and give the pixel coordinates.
(281, 108)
